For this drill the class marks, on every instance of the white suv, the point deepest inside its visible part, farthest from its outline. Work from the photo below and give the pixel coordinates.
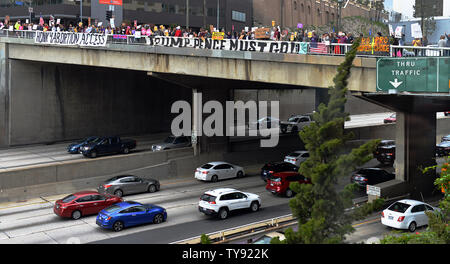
(221, 201)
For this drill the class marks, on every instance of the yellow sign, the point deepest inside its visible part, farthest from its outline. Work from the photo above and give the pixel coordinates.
(218, 35)
(273, 23)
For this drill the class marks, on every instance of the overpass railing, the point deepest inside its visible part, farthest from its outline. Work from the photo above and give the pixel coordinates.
(331, 49)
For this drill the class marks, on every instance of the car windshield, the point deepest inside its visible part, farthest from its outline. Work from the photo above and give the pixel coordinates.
(293, 119)
(387, 143)
(208, 198)
(399, 207)
(276, 179)
(113, 209)
(169, 139)
(263, 240)
(68, 198)
(293, 154)
(207, 166)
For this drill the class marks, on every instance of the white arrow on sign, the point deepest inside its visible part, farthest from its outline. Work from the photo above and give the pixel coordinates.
(396, 83)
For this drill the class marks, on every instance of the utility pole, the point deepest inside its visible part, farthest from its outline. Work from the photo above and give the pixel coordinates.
(204, 13)
(81, 10)
(339, 15)
(187, 14)
(218, 14)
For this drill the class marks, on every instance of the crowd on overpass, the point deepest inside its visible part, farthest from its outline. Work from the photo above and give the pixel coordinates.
(331, 42)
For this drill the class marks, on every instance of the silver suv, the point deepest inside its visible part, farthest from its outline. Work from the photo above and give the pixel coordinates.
(222, 201)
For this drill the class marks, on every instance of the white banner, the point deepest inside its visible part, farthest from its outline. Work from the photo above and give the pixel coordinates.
(416, 31)
(398, 32)
(226, 44)
(70, 38)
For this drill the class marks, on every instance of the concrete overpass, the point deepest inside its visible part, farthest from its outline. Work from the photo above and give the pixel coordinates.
(283, 69)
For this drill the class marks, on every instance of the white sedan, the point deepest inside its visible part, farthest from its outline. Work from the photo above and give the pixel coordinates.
(297, 157)
(218, 170)
(406, 214)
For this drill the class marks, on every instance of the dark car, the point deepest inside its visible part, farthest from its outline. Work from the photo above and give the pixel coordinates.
(108, 145)
(443, 149)
(391, 119)
(279, 183)
(128, 184)
(371, 176)
(130, 213)
(83, 203)
(385, 152)
(75, 147)
(270, 168)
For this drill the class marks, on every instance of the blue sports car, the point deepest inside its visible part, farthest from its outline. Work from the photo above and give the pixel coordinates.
(130, 213)
(75, 148)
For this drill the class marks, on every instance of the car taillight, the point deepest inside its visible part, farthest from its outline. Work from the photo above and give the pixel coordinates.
(106, 186)
(271, 172)
(382, 214)
(213, 202)
(204, 172)
(109, 218)
(401, 218)
(389, 154)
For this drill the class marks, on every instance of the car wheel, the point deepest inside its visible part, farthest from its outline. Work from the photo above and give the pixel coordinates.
(289, 193)
(158, 219)
(283, 130)
(93, 154)
(240, 174)
(118, 226)
(223, 213)
(126, 151)
(214, 178)
(118, 193)
(152, 188)
(294, 130)
(254, 206)
(412, 227)
(76, 215)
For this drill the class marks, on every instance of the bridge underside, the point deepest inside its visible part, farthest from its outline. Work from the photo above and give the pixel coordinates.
(415, 137)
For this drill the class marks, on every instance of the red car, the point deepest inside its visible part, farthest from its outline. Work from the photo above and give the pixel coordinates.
(279, 182)
(84, 203)
(391, 119)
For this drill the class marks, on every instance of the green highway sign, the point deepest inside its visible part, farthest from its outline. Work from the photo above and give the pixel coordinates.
(430, 75)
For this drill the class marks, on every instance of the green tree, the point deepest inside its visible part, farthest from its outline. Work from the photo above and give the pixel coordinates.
(204, 239)
(319, 207)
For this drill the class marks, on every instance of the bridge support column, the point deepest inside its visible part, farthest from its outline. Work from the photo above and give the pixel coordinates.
(4, 95)
(415, 150)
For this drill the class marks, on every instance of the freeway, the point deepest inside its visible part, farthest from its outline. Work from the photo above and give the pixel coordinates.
(33, 221)
(43, 154)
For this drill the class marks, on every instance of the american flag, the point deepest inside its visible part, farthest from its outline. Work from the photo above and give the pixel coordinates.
(316, 47)
(41, 21)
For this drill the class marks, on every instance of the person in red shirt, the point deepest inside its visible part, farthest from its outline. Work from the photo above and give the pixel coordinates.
(178, 32)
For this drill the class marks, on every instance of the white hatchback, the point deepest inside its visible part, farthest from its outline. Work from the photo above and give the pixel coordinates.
(218, 170)
(222, 201)
(406, 214)
(297, 157)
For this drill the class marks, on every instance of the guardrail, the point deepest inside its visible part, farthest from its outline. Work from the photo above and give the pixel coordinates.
(224, 235)
(319, 48)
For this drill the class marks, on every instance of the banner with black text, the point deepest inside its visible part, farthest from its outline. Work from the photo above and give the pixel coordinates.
(226, 44)
(70, 38)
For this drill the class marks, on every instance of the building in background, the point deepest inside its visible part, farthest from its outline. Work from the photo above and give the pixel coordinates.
(235, 14)
(289, 13)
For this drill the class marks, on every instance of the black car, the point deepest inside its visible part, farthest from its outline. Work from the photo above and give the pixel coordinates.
(385, 152)
(371, 176)
(108, 145)
(443, 149)
(270, 168)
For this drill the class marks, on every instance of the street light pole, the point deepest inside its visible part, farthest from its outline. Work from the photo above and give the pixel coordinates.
(81, 10)
(339, 15)
(218, 14)
(187, 14)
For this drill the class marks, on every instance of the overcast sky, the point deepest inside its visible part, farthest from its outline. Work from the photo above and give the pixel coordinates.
(406, 7)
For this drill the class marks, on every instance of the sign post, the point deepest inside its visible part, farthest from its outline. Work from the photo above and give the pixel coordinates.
(430, 75)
